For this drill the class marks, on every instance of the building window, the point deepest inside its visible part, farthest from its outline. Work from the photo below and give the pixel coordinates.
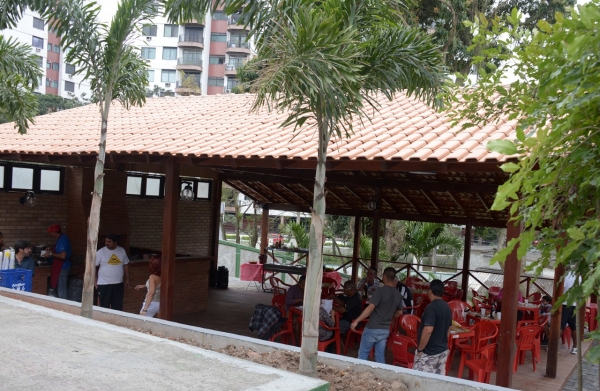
(38, 23)
(56, 48)
(193, 34)
(38, 178)
(171, 30)
(69, 86)
(47, 82)
(149, 53)
(54, 84)
(220, 60)
(232, 83)
(201, 187)
(55, 66)
(149, 30)
(37, 42)
(169, 54)
(216, 81)
(168, 76)
(69, 69)
(40, 60)
(48, 64)
(239, 39)
(150, 76)
(219, 15)
(142, 185)
(49, 47)
(237, 61)
(218, 37)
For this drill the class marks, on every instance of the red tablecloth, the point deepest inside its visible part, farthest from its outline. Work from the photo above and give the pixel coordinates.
(336, 276)
(251, 272)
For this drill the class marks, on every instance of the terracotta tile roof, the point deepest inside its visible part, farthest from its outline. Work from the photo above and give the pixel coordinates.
(221, 125)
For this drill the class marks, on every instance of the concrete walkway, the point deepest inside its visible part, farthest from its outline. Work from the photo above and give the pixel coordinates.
(45, 349)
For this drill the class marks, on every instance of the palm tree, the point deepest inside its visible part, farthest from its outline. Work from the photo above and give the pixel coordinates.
(323, 63)
(20, 75)
(422, 240)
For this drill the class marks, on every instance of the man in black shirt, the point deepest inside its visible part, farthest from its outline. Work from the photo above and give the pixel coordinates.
(432, 337)
(349, 305)
(407, 297)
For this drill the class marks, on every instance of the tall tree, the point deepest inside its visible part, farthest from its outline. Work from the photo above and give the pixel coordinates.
(20, 74)
(323, 64)
(422, 239)
(554, 185)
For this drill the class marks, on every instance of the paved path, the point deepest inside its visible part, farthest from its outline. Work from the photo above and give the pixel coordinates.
(590, 378)
(44, 349)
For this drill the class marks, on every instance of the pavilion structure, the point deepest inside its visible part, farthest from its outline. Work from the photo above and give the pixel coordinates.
(404, 162)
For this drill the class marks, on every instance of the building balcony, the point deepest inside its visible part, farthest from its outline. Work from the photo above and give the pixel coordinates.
(189, 64)
(189, 86)
(191, 40)
(232, 24)
(230, 70)
(238, 47)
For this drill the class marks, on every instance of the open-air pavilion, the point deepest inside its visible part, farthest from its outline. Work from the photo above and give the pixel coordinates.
(407, 163)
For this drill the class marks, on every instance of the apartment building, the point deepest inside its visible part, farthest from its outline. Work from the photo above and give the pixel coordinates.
(58, 77)
(195, 58)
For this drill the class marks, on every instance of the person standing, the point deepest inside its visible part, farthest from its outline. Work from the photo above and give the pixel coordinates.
(60, 256)
(385, 304)
(407, 296)
(151, 304)
(23, 258)
(432, 336)
(112, 276)
(568, 312)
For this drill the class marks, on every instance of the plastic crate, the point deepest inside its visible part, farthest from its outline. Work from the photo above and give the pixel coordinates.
(18, 279)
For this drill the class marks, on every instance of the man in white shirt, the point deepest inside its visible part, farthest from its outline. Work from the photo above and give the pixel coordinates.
(568, 312)
(112, 274)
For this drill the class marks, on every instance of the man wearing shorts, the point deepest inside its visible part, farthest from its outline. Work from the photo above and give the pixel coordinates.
(568, 313)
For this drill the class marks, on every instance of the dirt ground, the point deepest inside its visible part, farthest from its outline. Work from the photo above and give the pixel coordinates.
(339, 380)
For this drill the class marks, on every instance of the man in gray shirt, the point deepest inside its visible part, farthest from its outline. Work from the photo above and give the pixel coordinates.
(385, 305)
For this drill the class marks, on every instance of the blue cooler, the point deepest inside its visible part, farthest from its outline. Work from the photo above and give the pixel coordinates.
(18, 279)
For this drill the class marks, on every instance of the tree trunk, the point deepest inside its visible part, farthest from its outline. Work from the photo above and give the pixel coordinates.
(314, 272)
(89, 278)
(433, 260)
(578, 321)
(222, 227)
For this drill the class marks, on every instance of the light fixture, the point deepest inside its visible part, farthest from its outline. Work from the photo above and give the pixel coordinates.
(28, 199)
(187, 194)
(372, 204)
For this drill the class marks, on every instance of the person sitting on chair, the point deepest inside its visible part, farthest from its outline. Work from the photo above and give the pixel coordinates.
(295, 295)
(349, 305)
(369, 284)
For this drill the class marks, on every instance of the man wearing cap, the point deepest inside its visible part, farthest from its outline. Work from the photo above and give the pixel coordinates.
(60, 256)
(112, 276)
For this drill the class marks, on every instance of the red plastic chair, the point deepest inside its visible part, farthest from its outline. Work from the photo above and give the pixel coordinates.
(403, 349)
(459, 295)
(485, 334)
(478, 304)
(328, 286)
(535, 298)
(287, 330)
(277, 283)
(353, 335)
(526, 341)
(480, 369)
(566, 336)
(494, 289)
(459, 309)
(450, 288)
(410, 324)
(336, 335)
(409, 282)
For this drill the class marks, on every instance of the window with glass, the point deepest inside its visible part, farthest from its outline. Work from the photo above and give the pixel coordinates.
(169, 54)
(171, 30)
(232, 83)
(40, 60)
(191, 57)
(69, 69)
(38, 178)
(54, 84)
(218, 37)
(168, 76)
(149, 53)
(1, 177)
(220, 60)
(237, 61)
(219, 15)
(38, 23)
(48, 64)
(55, 66)
(151, 76)
(239, 40)
(194, 34)
(69, 86)
(144, 185)
(56, 48)
(49, 47)
(216, 81)
(149, 30)
(200, 187)
(37, 42)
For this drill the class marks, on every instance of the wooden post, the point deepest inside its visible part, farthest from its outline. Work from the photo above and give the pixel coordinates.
(466, 260)
(375, 233)
(216, 220)
(552, 360)
(356, 249)
(508, 324)
(169, 238)
(264, 229)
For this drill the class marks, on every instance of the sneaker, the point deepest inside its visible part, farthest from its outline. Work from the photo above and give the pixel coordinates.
(574, 351)
(544, 342)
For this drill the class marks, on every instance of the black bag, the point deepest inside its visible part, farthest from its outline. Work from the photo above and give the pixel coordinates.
(222, 277)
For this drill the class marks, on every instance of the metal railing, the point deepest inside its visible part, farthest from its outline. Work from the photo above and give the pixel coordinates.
(189, 61)
(192, 37)
(233, 19)
(189, 83)
(230, 67)
(238, 44)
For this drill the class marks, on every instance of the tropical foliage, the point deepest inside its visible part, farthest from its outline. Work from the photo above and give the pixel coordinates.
(554, 187)
(422, 239)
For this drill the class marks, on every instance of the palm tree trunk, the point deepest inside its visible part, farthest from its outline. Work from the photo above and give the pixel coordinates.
(89, 279)
(433, 260)
(314, 272)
